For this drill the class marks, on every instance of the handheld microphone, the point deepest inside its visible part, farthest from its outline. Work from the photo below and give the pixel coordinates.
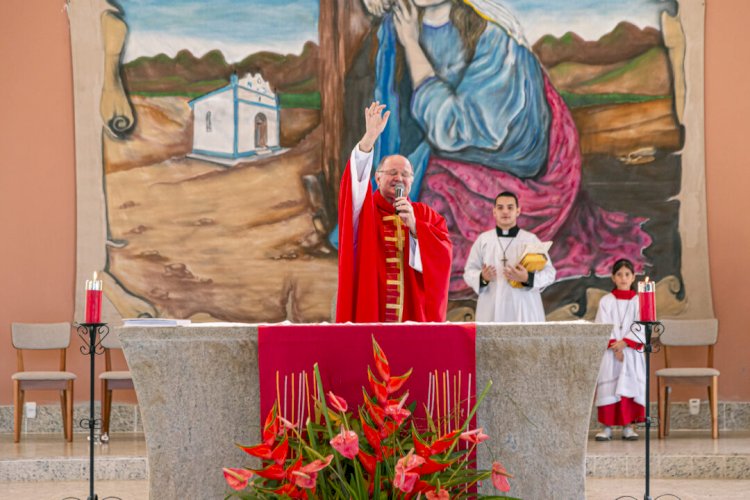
(399, 189)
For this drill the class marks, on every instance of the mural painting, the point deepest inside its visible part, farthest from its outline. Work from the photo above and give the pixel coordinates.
(220, 187)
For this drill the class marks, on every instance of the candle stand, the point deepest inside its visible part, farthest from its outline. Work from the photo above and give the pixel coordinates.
(91, 335)
(648, 332)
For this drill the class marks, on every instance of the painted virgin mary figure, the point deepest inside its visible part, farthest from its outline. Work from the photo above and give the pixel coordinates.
(476, 114)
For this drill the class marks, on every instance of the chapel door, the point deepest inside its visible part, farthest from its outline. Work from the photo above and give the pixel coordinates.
(261, 131)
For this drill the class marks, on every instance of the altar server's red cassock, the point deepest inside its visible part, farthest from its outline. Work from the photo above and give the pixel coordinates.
(376, 282)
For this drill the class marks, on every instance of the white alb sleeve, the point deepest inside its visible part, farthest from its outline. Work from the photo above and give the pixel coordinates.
(361, 166)
(415, 258)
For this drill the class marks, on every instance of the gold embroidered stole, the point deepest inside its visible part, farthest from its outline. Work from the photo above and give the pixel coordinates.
(393, 232)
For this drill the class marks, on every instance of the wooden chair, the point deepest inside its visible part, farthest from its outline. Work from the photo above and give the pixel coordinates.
(688, 333)
(111, 380)
(30, 336)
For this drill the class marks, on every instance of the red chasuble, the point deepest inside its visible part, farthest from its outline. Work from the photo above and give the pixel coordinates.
(376, 282)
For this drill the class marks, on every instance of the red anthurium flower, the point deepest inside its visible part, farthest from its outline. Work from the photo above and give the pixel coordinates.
(476, 436)
(346, 443)
(500, 477)
(287, 424)
(338, 403)
(307, 475)
(405, 478)
(397, 411)
(237, 478)
(304, 480)
(437, 495)
(381, 362)
(317, 465)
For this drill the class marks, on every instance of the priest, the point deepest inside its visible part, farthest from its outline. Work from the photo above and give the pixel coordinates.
(507, 291)
(394, 255)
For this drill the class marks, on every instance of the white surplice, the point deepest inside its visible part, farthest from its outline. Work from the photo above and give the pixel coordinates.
(627, 378)
(498, 301)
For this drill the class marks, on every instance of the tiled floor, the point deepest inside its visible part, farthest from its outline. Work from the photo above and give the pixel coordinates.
(678, 443)
(47, 457)
(69, 490)
(683, 489)
(683, 455)
(693, 449)
(129, 444)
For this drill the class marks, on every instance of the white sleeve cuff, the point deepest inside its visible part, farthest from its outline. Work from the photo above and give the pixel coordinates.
(415, 257)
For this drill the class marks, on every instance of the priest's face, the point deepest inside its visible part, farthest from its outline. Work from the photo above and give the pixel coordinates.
(393, 171)
(506, 212)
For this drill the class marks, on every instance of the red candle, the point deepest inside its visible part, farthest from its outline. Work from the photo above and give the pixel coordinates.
(647, 300)
(93, 300)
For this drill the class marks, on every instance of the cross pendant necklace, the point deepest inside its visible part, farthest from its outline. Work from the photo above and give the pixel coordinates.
(504, 260)
(621, 319)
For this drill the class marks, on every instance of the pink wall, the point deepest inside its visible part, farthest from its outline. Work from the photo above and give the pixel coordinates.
(37, 182)
(728, 180)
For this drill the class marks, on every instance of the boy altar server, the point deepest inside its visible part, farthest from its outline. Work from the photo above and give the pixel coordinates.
(494, 263)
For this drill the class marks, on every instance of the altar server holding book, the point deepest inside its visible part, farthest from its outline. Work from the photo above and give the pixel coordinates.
(508, 268)
(621, 385)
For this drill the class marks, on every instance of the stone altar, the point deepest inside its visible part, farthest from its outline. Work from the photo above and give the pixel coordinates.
(198, 392)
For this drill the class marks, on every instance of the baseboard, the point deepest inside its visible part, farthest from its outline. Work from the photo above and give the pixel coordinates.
(125, 418)
(733, 416)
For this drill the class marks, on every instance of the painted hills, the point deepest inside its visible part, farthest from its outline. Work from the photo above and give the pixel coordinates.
(626, 61)
(188, 75)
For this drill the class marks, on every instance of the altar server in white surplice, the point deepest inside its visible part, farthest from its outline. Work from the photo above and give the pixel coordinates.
(621, 386)
(495, 262)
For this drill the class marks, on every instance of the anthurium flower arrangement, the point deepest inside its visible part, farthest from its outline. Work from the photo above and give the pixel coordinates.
(373, 451)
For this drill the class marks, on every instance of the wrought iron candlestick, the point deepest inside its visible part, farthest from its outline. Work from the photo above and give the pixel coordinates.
(91, 335)
(647, 332)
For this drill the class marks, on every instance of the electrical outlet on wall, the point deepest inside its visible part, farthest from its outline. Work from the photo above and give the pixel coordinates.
(30, 409)
(694, 406)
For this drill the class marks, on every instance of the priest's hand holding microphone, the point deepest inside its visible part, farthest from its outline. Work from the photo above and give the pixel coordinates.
(404, 209)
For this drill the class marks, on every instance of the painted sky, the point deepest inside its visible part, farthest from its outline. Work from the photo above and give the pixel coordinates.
(236, 27)
(242, 27)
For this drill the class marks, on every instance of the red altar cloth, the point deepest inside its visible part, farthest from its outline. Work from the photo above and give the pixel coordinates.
(344, 351)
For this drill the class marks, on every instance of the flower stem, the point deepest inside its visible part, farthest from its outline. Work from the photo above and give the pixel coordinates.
(319, 383)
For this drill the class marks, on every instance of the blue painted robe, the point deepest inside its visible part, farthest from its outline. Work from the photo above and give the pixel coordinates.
(490, 111)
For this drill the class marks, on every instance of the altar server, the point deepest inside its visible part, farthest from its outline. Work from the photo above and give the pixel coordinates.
(621, 385)
(507, 291)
